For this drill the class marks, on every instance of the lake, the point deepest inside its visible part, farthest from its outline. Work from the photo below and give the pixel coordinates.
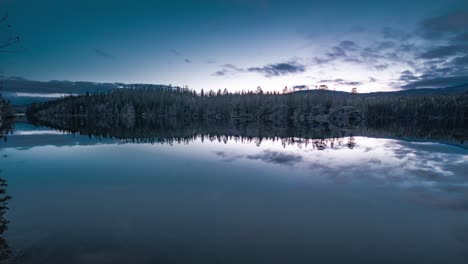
(232, 199)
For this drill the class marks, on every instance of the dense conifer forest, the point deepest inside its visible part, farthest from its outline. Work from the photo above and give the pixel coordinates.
(293, 109)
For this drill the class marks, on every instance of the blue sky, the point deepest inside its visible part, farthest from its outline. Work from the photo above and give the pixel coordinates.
(241, 44)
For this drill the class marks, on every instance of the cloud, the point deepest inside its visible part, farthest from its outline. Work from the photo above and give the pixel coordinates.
(268, 156)
(341, 82)
(453, 22)
(437, 82)
(352, 83)
(187, 61)
(353, 60)
(460, 61)
(227, 157)
(300, 87)
(340, 52)
(383, 45)
(228, 69)
(103, 54)
(444, 51)
(381, 67)
(348, 45)
(175, 52)
(337, 52)
(407, 76)
(219, 73)
(276, 157)
(279, 69)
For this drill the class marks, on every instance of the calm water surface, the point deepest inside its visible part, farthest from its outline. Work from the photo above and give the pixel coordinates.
(80, 199)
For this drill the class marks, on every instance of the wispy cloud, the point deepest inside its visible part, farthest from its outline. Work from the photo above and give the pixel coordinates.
(228, 69)
(270, 70)
(175, 52)
(103, 54)
(279, 69)
(340, 82)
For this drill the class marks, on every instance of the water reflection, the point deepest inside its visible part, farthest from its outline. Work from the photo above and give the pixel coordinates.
(176, 131)
(235, 198)
(434, 174)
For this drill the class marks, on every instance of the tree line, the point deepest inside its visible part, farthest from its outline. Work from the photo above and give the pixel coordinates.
(293, 109)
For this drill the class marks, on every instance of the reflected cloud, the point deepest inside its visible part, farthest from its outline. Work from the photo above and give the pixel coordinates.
(276, 157)
(429, 173)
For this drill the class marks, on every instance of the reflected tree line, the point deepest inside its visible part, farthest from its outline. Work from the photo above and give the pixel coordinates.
(319, 135)
(174, 114)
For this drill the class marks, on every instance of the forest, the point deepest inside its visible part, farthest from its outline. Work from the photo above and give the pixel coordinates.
(6, 116)
(282, 110)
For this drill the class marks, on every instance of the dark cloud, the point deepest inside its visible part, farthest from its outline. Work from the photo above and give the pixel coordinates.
(352, 83)
(353, 60)
(437, 82)
(453, 22)
(444, 51)
(227, 157)
(331, 81)
(341, 82)
(276, 157)
(371, 53)
(340, 52)
(278, 69)
(407, 76)
(220, 73)
(371, 79)
(381, 67)
(337, 52)
(460, 61)
(348, 45)
(103, 54)
(300, 87)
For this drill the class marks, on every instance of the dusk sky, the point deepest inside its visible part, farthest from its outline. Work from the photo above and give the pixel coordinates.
(241, 44)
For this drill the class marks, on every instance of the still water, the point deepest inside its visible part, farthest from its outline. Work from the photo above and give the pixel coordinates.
(80, 199)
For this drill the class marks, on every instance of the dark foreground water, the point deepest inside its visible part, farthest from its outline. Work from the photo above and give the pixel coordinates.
(80, 199)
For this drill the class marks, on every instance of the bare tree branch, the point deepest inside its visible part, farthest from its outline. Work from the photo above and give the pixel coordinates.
(11, 37)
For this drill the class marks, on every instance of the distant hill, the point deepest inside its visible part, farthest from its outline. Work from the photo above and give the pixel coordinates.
(428, 91)
(21, 85)
(459, 89)
(21, 91)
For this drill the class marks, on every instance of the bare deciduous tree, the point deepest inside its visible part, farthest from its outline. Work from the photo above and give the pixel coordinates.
(8, 36)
